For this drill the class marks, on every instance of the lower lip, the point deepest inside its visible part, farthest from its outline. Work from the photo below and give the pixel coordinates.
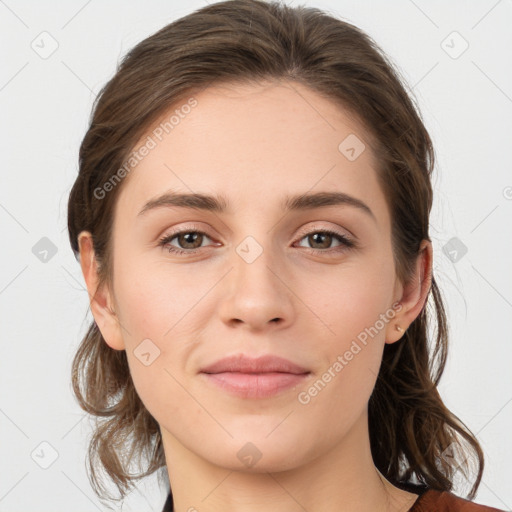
(255, 385)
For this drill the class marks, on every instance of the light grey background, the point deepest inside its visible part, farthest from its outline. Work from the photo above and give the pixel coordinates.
(466, 101)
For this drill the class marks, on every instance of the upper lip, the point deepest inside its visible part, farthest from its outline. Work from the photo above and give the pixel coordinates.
(245, 364)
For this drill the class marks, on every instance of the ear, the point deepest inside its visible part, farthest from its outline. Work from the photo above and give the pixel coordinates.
(413, 295)
(100, 299)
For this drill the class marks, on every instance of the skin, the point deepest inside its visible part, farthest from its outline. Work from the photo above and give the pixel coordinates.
(254, 144)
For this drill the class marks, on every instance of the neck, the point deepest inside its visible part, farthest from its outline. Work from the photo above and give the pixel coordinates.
(343, 479)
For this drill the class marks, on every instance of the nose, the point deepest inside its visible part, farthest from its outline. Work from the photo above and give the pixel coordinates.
(257, 294)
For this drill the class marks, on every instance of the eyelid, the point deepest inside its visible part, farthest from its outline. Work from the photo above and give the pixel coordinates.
(185, 229)
(316, 227)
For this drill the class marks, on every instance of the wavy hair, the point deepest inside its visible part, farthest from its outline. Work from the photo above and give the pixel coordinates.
(249, 41)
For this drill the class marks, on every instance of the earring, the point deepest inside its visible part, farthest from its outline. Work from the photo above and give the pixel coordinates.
(398, 328)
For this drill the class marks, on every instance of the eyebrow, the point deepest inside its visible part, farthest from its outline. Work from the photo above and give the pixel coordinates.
(218, 204)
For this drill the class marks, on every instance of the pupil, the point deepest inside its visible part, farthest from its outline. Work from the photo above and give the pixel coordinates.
(190, 237)
(317, 237)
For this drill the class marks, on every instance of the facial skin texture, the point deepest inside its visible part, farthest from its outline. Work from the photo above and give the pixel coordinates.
(254, 144)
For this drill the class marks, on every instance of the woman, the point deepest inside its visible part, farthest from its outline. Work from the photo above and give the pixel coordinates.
(251, 217)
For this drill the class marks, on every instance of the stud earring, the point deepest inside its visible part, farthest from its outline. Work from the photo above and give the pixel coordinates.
(398, 328)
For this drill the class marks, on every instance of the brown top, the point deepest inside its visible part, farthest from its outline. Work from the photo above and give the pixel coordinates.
(429, 500)
(445, 501)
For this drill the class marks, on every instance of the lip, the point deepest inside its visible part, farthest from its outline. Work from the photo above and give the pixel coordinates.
(260, 377)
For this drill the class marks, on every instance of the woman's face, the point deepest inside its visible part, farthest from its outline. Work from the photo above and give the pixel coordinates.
(254, 276)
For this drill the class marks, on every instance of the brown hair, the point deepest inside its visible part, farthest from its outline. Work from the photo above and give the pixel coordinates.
(252, 41)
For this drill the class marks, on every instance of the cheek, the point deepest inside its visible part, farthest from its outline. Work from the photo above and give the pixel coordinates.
(351, 354)
(350, 300)
(155, 299)
(354, 309)
(159, 310)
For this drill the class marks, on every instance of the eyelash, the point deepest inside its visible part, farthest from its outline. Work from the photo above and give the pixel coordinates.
(345, 241)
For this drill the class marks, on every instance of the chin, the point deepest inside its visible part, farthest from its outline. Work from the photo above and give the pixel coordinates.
(257, 454)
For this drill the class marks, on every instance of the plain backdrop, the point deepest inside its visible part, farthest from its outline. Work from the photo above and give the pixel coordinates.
(457, 58)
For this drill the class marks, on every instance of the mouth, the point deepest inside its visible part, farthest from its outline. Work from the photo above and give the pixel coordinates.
(247, 377)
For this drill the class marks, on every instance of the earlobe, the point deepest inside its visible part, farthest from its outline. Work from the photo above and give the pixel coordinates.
(99, 298)
(414, 294)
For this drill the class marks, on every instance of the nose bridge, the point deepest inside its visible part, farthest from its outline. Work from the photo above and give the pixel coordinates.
(256, 294)
(256, 250)
(254, 264)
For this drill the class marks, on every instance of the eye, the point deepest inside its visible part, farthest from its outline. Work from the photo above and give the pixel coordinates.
(190, 240)
(324, 238)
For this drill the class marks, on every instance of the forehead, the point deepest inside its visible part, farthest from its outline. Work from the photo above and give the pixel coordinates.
(252, 143)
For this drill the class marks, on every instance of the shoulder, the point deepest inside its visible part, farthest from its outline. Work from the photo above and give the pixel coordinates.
(444, 501)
